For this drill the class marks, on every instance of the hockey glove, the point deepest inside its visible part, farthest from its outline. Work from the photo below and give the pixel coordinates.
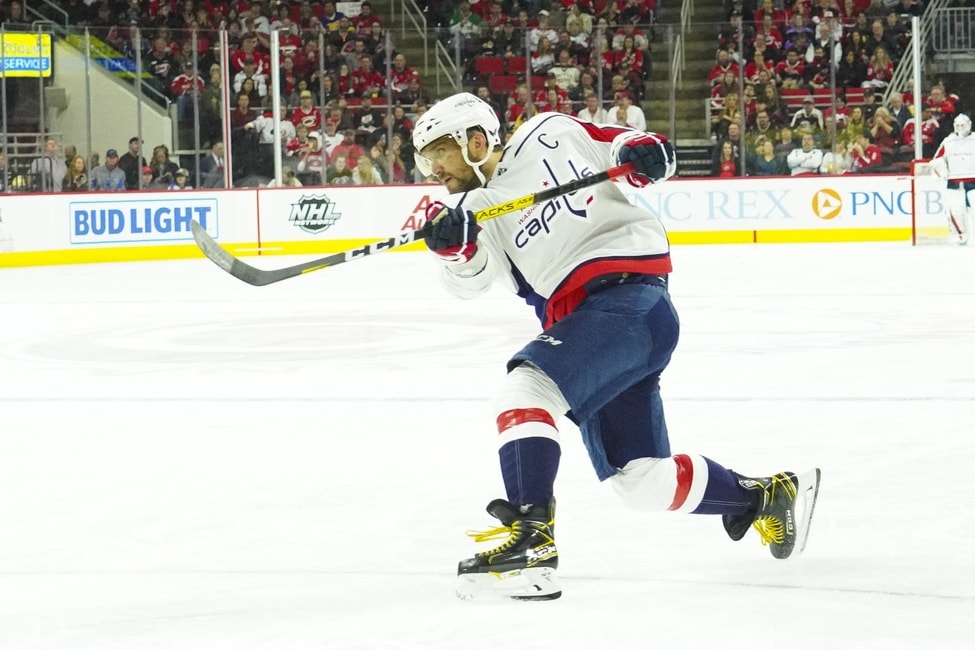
(651, 153)
(451, 233)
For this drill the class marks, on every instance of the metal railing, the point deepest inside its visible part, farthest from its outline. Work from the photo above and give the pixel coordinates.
(904, 72)
(953, 31)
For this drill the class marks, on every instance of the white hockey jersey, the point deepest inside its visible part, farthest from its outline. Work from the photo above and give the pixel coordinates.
(549, 251)
(959, 154)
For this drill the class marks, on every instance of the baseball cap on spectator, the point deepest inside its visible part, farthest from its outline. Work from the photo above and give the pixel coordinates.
(135, 138)
(543, 12)
(622, 95)
(111, 153)
(827, 14)
(182, 171)
(305, 94)
(147, 170)
(809, 100)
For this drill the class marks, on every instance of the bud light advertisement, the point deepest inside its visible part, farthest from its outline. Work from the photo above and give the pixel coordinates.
(157, 220)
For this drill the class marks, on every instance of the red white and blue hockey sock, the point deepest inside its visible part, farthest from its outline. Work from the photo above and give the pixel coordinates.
(529, 454)
(686, 483)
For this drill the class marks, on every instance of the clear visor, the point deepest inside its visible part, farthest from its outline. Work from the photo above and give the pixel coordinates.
(433, 154)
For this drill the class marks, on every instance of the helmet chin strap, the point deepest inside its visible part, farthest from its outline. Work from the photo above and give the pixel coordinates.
(476, 166)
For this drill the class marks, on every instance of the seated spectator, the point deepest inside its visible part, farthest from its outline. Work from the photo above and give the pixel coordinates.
(163, 169)
(306, 112)
(762, 131)
(730, 33)
(399, 122)
(76, 178)
(566, 72)
(806, 159)
(181, 181)
(841, 114)
(789, 73)
(767, 162)
(808, 116)
(108, 177)
(365, 78)
(465, 31)
(855, 125)
(836, 161)
(543, 57)
(367, 118)
(880, 70)
(880, 38)
(542, 30)
(331, 139)
(365, 173)
(867, 157)
(786, 143)
(851, 72)
(899, 109)
(756, 65)
(311, 162)
(929, 126)
(885, 134)
(349, 149)
(730, 113)
(593, 112)
(627, 113)
(400, 75)
(250, 72)
(339, 173)
(723, 64)
(725, 164)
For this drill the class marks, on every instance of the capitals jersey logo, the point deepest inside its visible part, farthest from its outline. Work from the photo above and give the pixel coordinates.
(314, 214)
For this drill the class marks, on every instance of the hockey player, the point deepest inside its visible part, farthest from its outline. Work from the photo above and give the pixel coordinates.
(955, 160)
(595, 269)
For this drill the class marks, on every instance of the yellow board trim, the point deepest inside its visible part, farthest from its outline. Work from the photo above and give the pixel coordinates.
(249, 249)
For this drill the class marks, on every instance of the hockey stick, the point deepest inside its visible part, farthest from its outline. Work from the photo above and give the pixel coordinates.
(259, 277)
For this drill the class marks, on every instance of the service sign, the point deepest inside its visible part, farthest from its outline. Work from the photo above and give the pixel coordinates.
(25, 55)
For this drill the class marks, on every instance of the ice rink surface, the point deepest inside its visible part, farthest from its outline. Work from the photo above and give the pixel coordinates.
(189, 462)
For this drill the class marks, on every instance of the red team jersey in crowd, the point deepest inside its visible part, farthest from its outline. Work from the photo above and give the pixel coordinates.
(312, 118)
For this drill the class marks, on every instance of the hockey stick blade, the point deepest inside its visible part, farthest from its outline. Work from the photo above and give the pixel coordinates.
(261, 277)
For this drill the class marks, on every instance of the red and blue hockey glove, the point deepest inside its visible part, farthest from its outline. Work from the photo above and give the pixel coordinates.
(651, 153)
(451, 233)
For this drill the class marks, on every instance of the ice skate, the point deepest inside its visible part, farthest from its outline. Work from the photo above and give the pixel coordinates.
(782, 513)
(523, 566)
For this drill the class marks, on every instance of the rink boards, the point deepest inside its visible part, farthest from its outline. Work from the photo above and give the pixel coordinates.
(78, 228)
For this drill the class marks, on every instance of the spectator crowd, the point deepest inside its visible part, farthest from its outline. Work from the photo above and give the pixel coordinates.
(773, 96)
(347, 94)
(350, 98)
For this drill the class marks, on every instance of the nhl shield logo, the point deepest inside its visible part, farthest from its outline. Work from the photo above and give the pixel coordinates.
(314, 214)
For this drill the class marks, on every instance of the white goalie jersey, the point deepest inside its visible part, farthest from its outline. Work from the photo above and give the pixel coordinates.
(549, 251)
(955, 158)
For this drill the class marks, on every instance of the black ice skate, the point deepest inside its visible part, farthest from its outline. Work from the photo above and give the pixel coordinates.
(782, 513)
(523, 567)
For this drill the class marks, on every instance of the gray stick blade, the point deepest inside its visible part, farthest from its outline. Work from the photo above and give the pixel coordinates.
(211, 248)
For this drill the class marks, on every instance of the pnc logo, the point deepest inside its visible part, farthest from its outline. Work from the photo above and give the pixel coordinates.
(826, 204)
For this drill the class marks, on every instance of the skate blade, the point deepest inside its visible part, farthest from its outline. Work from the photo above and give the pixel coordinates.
(808, 492)
(521, 584)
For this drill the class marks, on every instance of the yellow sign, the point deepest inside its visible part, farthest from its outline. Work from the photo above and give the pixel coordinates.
(25, 55)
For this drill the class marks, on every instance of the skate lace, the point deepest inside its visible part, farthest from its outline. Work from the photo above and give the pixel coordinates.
(509, 533)
(770, 528)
